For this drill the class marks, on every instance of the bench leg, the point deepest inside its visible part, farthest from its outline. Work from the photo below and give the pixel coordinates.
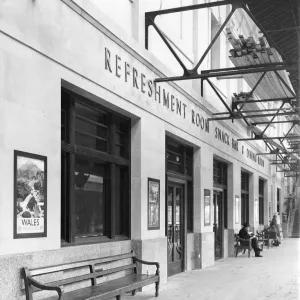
(236, 251)
(156, 289)
(133, 292)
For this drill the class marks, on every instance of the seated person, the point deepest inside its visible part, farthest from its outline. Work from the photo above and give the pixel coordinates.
(244, 234)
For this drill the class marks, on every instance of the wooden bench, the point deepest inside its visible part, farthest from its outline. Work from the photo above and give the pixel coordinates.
(93, 269)
(263, 239)
(242, 244)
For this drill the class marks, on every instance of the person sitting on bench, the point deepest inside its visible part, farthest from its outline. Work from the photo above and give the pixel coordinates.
(245, 234)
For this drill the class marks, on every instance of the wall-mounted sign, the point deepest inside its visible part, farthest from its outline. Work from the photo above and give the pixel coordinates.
(207, 208)
(30, 195)
(169, 99)
(237, 209)
(121, 68)
(153, 204)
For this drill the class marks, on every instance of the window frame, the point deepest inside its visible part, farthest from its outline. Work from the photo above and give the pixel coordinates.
(222, 168)
(245, 197)
(70, 149)
(187, 154)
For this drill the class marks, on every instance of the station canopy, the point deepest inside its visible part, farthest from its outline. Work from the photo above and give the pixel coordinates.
(269, 64)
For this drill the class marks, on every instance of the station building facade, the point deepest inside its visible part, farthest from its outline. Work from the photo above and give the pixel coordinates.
(131, 164)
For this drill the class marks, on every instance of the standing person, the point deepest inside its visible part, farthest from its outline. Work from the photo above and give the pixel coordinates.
(274, 228)
(244, 234)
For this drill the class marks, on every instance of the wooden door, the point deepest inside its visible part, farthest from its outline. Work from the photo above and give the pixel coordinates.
(175, 227)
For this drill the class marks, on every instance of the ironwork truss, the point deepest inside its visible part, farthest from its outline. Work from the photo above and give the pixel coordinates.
(282, 153)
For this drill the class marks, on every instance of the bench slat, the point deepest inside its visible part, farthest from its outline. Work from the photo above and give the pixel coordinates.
(74, 265)
(88, 276)
(109, 289)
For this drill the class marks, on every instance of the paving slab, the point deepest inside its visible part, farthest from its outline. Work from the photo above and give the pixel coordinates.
(274, 276)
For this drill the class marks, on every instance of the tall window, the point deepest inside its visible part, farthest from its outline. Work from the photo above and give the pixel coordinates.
(179, 160)
(94, 172)
(244, 197)
(220, 181)
(216, 48)
(261, 201)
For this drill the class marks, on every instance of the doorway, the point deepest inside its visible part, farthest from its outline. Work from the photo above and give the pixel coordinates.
(175, 228)
(218, 223)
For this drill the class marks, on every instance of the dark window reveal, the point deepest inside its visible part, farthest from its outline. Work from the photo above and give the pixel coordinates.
(261, 201)
(244, 197)
(220, 173)
(94, 171)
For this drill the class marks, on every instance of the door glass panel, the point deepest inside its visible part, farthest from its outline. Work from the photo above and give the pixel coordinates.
(170, 224)
(217, 213)
(177, 240)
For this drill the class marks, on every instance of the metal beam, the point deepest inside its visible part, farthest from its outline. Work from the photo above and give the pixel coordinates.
(268, 125)
(252, 91)
(297, 122)
(283, 29)
(284, 163)
(253, 116)
(193, 7)
(220, 97)
(285, 84)
(185, 70)
(287, 100)
(221, 74)
(252, 111)
(259, 137)
(195, 69)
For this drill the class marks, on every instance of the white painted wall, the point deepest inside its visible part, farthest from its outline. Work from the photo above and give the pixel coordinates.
(66, 47)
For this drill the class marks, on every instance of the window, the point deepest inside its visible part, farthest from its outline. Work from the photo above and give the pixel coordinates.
(261, 201)
(215, 49)
(219, 173)
(220, 181)
(244, 197)
(94, 172)
(179, 158)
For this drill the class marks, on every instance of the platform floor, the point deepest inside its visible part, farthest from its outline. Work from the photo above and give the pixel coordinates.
(274, 276)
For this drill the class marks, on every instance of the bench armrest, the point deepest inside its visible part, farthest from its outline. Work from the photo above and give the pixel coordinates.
(151, 263)
(246, 240)
(44, 286)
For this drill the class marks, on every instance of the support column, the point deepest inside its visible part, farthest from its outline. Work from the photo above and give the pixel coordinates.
(207, 235)
(197, 209)
(234, 189)
(253, 202)
(267, 199)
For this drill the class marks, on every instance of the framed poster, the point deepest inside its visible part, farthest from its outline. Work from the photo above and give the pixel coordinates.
(207, 208)
(153, 204)
(30, 195)
(237, 209)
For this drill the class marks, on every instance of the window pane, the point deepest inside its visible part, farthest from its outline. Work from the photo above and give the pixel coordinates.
(91, 114)
(91, 128)
(190, 208)
(122, 206)
(64, 203)
(87, 140)
(89, 197)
